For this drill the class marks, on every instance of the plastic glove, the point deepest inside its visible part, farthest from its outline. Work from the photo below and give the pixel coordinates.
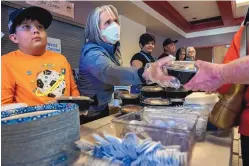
(207, 78)
(211, 76)
(154, 73)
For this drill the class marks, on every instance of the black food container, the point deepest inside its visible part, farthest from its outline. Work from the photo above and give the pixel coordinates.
(177, 101)
(129, 98)
(152, 91)
(176, 93)
(82, 101)
(156, 102)
(130, 108)
(183, 70)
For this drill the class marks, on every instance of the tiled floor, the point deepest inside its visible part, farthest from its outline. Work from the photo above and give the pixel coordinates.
(236, 160)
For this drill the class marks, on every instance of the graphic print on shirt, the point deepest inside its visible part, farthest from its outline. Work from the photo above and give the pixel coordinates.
(50, 83)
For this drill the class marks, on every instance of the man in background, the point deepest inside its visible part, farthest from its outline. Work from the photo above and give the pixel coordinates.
(169, 48)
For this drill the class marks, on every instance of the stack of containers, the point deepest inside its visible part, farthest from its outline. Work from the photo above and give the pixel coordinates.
(187, 110)
(169, 130)
(203, 99)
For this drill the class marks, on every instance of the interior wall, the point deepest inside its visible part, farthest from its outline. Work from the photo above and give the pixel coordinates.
(129, 39)
(197, 42)
(219, 53)
(204, 54)
(207, 41)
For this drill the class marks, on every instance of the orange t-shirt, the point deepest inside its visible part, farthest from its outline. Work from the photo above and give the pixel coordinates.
(233, 53)
(35, 80)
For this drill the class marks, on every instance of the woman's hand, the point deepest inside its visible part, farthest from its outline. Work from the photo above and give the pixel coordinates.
(154, 73)
(207, 78)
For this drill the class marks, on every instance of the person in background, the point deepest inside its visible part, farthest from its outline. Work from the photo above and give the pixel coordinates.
(211, 76)
(147, 44)
(232, 54)
(169, 48)
(181, 54)
(100, 65)
(191, 53)
(31, 74)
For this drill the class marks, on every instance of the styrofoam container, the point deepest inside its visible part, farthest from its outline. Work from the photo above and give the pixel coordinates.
(201, 98)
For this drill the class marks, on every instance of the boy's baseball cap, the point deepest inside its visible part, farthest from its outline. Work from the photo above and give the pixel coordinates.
(38, 13)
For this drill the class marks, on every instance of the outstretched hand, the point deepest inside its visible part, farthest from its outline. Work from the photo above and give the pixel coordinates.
(156, 74)
(207, 78)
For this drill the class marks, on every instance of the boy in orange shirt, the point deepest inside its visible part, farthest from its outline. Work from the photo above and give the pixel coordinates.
(32, 74)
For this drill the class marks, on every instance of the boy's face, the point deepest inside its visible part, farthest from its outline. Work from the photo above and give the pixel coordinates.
(30, 36)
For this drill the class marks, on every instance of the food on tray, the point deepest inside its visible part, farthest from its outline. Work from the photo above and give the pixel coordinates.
(182, 66)
(131, 108)
(151, 88)
(129, 96)
(156, 101)
(181, 89)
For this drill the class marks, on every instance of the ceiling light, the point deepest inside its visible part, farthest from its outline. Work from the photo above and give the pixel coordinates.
(185, 7)
(240, 3)
(194, 18)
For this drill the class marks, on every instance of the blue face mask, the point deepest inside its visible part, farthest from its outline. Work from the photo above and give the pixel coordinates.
(112, 33)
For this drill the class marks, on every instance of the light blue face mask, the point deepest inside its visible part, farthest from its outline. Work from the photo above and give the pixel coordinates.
(112, 33)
